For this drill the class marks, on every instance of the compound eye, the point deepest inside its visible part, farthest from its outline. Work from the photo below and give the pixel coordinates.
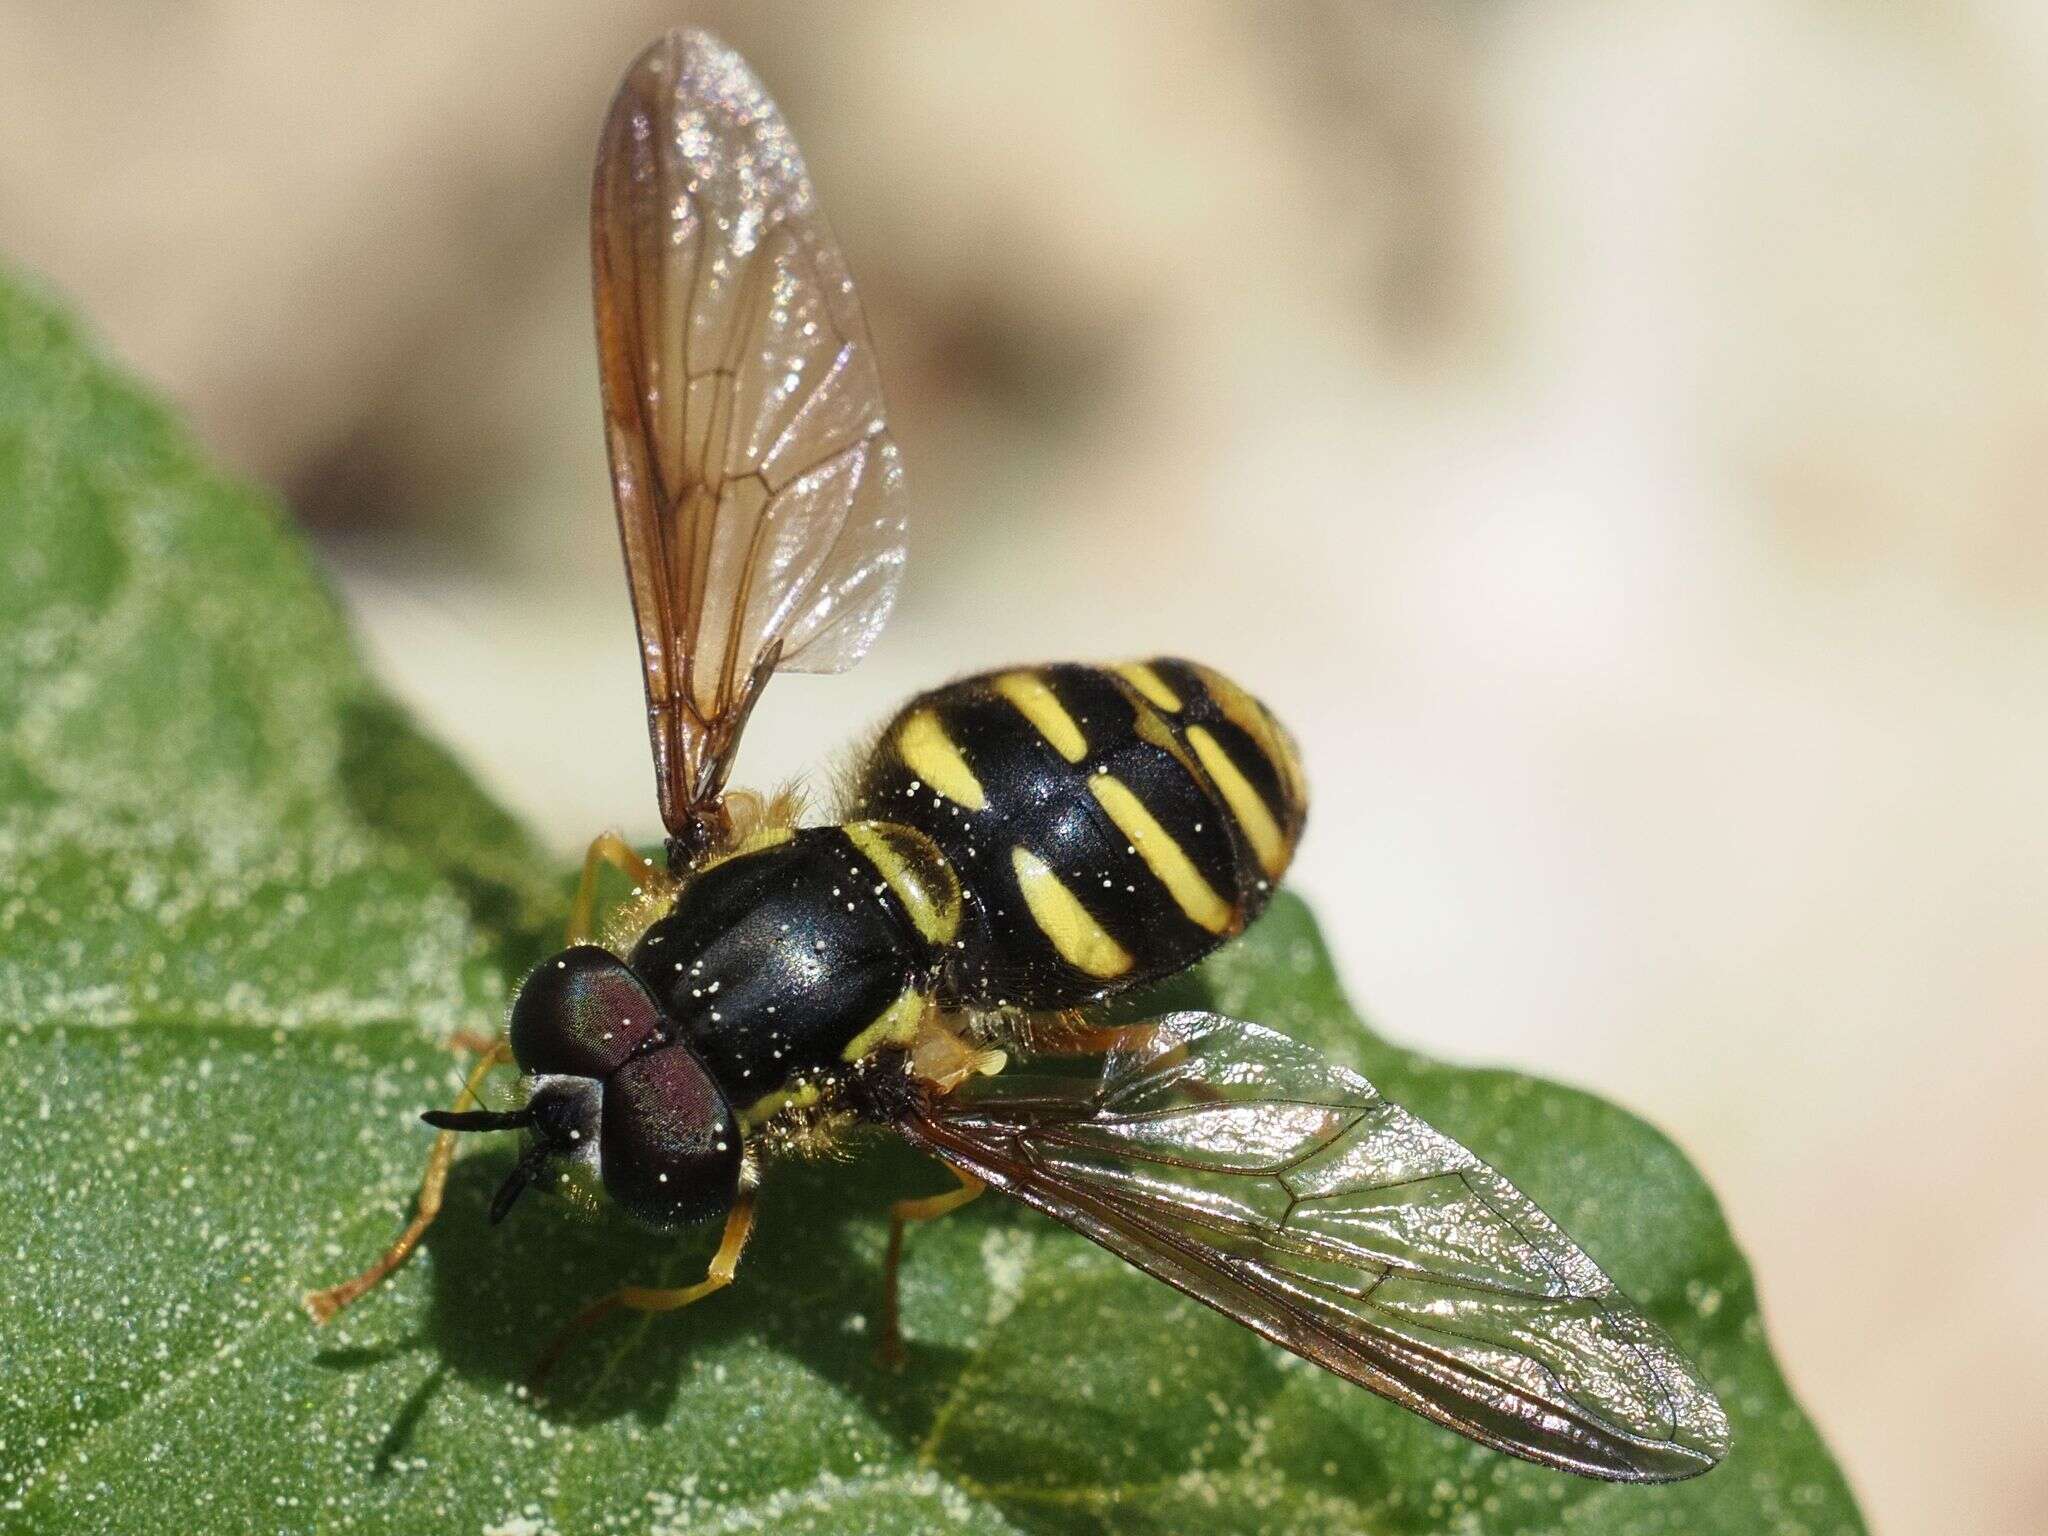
(581, 1014)
(670, 1143)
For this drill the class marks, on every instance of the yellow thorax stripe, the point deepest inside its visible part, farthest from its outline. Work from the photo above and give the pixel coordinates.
(896, 1026)
(753, 842)
(1030, 697)
(1260, 829)
(1149, 683)
(935, 912)
(929, 752)
(1161, 853)
(1069, 926)
(799, 1095)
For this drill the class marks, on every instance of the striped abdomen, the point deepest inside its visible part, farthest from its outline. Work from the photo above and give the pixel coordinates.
(1109, 825)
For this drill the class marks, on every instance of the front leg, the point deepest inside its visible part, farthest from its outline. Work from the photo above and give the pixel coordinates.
(725, 1263)
(324, 1304)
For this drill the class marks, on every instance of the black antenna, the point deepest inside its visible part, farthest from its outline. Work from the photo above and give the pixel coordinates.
(479, 1119)
(528, 1168)
(522, 1174)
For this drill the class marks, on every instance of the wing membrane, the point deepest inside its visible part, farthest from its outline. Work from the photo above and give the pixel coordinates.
(1286, 1192)
(751, 462)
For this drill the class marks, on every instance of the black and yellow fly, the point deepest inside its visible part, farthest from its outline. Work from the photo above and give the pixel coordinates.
(1015, 849)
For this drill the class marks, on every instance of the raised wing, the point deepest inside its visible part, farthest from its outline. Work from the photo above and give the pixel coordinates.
(755, 479)
(1284, 1191)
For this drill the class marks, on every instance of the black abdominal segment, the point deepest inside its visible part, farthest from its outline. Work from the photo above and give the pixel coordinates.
(1109, 826)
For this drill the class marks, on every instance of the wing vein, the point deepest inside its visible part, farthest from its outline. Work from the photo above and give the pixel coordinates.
(1421, 1274)
(736, 567)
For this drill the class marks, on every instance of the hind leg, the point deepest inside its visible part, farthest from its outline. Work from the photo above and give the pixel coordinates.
(324, 1304)
(1063, 1037)
(889, 1347)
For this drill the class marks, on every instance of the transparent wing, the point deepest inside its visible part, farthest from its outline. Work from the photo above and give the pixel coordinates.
(755, 479)
(1284, 1191)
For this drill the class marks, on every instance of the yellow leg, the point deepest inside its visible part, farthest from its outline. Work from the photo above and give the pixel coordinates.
(609, 848)
(889, 1347)
(324, 1304)
(1076, 1039)
(739, 1225)
(745, 811)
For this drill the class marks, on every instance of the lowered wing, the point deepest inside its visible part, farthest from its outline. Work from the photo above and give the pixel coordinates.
(1286, 1192)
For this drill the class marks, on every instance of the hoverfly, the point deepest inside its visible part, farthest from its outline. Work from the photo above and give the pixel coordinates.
(1015, 849)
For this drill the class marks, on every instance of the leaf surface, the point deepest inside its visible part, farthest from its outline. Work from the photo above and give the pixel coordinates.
(242, 905)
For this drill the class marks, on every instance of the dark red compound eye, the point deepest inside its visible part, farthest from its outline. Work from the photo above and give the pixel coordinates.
(582, 1013)
(669, 1143)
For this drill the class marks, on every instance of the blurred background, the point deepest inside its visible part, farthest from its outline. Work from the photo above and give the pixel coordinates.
(1614, 437)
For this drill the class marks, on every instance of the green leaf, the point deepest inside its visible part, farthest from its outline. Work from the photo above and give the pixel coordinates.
(242, 905)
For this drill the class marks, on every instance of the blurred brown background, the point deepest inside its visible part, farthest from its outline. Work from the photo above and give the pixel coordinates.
(1614, 436)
